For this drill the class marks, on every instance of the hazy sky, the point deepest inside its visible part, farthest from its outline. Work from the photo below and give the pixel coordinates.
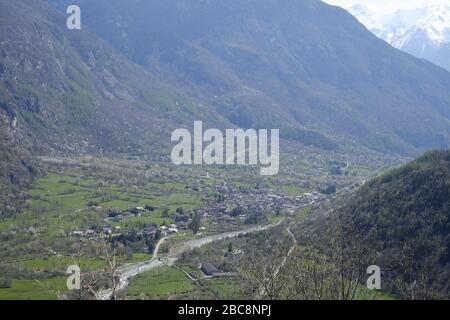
(388, 5)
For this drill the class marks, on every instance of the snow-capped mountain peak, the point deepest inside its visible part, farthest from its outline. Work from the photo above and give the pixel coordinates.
(434, 21)
(423, 32)
(436, 24)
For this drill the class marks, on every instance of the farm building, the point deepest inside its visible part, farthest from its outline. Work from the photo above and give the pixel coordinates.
(209, 269)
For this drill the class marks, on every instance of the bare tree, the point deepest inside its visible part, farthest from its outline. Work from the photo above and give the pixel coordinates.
(92, 281)
(329, 264)
(307, 272)
(416, 274)
(348, 254)
(261, 275)
(111, 269)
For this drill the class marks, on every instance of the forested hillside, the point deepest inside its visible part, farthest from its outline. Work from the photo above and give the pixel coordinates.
(406, 216)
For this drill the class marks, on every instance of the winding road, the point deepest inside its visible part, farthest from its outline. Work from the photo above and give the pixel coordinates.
(129, 271)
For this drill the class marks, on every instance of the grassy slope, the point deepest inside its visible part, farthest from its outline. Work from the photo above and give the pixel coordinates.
(34, 290)
(162, 283)
(61, 203)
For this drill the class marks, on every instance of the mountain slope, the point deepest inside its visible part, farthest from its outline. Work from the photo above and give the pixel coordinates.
(70, 92)
(406, 215)
(17, 170)
(422, 32)
(303, 66)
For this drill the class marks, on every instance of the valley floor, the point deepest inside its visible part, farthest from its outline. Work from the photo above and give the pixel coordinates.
(85, 209)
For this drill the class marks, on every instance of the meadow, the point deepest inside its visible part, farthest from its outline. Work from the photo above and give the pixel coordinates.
(66, 201)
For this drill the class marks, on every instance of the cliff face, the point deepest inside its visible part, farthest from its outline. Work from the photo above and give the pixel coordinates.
(70, 92)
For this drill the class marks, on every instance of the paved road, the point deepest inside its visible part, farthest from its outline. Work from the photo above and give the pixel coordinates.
(197, 243)
(129, 271)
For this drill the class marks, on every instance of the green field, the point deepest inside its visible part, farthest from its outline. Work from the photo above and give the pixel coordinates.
(54, 263)
(34, 290)
(59, 204)
(303, 213)
(171, 282)
(224, 289)
(161, 283)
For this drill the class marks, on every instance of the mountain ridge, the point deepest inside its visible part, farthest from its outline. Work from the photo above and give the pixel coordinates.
(302, 67)
(294, 65)
(422, 32)
(58, 85)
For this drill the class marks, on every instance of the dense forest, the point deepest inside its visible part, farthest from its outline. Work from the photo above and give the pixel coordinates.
(405, 215)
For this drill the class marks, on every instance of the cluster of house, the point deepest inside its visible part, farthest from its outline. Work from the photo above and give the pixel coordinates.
(227, 199)
(116, 215)
(254, 200)
(168, 230)
(309, 197)
(119, 215)
(89, 233)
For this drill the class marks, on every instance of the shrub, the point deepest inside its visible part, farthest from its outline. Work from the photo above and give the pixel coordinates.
(5, 283)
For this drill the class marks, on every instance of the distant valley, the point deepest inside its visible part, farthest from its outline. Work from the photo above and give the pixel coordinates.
(87, 177)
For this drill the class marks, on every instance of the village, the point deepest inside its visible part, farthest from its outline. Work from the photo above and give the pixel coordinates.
(223, 209)
(238, 206)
